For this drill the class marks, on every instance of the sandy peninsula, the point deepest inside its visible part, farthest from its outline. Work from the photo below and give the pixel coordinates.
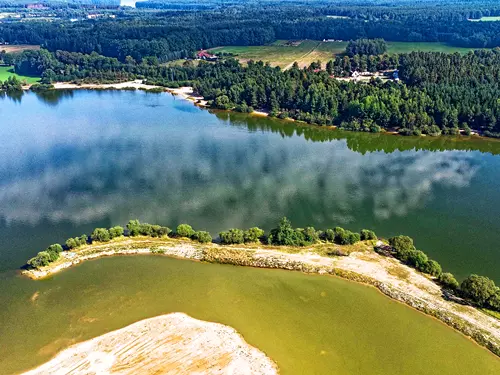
(173, 344)
(363, 264)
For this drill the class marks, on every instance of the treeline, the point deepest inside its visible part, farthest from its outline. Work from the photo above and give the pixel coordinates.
(442, 93)
(11, 84)
(366, 47)
(479, 290)
(283, 235)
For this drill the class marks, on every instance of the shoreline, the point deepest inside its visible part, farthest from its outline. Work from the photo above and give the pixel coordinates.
(171, 343)
(187, 93)
(387, 274)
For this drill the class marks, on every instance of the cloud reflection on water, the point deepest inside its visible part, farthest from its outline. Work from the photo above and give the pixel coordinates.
(186, 166)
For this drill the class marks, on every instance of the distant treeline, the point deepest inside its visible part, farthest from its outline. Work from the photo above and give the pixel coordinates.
(174, 34)
(480, 290)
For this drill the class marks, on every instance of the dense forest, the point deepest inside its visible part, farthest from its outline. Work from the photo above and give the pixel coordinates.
(170, 33)
(438, 94)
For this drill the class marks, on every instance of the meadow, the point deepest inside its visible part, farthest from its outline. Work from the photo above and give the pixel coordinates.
(14, 48)
(8, 71)
(284, 53)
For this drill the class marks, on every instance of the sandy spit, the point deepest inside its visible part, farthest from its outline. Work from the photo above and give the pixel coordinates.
(173, 344)
(392, 278)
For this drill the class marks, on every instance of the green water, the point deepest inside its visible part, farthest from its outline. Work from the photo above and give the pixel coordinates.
(307, 324)
(73, 161)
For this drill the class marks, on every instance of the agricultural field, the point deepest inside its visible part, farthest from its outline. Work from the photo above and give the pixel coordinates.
(8, 71)
(17, 48)
(284, 53)
(407, 47)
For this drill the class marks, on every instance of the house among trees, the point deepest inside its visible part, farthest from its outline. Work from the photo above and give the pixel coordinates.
(204, 55)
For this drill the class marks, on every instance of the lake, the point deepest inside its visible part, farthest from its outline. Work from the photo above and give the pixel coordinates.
(77, 160)
(308, 324)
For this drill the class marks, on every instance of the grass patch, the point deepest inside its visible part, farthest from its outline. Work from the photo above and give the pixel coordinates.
(15, 48)
(407, 47)
(228, 256)
(399, 272)
(494, 314)
(285, 53)
(8, 71)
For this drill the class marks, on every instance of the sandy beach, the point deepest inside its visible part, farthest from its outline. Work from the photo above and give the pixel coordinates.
(173, 344)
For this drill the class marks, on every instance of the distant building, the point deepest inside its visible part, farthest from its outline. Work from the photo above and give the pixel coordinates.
(204, 55)
(36, 6)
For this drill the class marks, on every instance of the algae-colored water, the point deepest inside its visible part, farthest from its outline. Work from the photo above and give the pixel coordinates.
(307, 324)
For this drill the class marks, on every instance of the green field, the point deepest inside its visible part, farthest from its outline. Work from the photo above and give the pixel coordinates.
(485, 19)
(284, 53)
(7, 71)
(406, 47)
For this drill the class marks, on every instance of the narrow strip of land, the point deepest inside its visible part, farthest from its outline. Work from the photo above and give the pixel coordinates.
(391, 277)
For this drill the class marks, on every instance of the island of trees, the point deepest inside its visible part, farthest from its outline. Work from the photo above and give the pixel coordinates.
(478, 290)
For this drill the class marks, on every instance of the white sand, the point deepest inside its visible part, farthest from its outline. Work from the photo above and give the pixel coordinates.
(167, 344)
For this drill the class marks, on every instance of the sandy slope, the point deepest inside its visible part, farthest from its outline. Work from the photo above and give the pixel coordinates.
(167, 344)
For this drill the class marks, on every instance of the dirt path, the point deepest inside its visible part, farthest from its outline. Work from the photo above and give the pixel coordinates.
(302, 57)
(173, 344)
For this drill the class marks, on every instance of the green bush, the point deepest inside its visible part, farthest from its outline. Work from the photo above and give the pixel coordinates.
(417, 259)
(202, 236)
(352, 238)
(55, 248)
(311, 235)
(232, 236)
(116, 231)
(340, 235)
(494, 301)
(42, 259)
(71, 243)
(83, 240)
(330, 235)
(448, 280)
(185, 230)
(133, 228)
(159, 231)
(285, 235)
(403, 245)
(101, 235)
(145, 229)
(253, 235)
(433, 268)
(366, 234)
(478, 289)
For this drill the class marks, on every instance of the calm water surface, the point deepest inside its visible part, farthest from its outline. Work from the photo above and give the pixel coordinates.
(76, 160)
(307, 324)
